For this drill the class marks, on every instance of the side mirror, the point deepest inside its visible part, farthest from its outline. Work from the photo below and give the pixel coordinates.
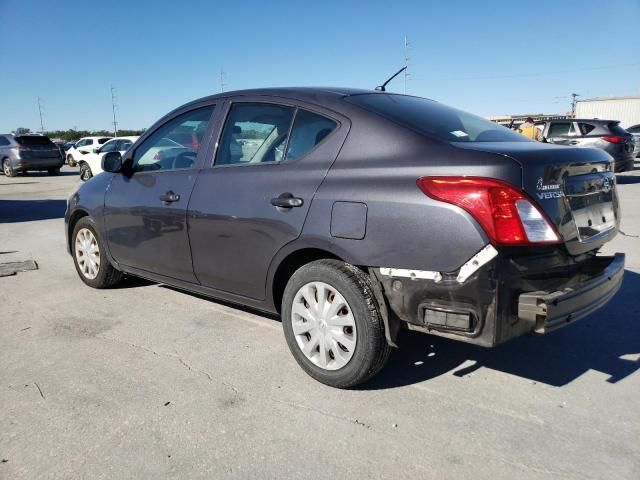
(112, 162)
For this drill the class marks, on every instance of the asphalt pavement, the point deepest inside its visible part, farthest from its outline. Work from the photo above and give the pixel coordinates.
(145, 381)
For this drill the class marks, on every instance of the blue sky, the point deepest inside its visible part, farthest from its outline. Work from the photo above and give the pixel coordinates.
(487, 57)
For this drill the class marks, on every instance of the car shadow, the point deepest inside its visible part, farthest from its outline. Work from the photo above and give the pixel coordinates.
(12, 211)
(64, 173)
(607, 341)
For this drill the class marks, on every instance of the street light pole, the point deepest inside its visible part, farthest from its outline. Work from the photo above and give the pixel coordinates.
(113, 108)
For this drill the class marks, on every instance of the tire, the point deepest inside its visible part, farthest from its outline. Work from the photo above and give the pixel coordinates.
(8, 169)
(53, 172)
(85, 172)
(355, 331)
(84, 239)
(71, 161)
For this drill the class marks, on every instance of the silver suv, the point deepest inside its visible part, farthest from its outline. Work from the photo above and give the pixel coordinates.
(606, 135)
(21, 153)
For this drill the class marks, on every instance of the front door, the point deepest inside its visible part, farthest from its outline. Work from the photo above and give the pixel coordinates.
(270, 161)
(145, 212)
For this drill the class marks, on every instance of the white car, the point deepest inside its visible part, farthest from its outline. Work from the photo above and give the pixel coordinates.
(91, 164)
(84, 147)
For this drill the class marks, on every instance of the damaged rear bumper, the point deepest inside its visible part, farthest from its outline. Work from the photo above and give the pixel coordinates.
(507, 295)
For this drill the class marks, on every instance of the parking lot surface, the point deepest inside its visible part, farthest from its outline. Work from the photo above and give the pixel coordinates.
(144, 381)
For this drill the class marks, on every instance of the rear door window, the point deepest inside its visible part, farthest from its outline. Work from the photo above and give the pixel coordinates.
(308, 131)
(560, 129)
(254, 133)
(109, 147)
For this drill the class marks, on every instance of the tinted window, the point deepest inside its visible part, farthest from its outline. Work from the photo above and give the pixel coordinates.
(616, 129)
(308, 130)
(109, 147)
(4, 141)
(124, 145)
(585, 128)
(103, 140)
(435, 120)
(559, 129)
(34, 141)
(254, 133)
(175, 144)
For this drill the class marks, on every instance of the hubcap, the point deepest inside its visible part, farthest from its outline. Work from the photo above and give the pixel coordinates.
(323, 325)
(87, 253)
(7, 168)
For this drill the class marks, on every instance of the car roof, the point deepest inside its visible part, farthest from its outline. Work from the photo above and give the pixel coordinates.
(134, 138)
(597, 120)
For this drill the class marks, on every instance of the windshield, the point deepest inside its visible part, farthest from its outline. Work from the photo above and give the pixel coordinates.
(435, 119)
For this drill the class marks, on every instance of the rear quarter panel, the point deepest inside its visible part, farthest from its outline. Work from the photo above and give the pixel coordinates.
(379, 166)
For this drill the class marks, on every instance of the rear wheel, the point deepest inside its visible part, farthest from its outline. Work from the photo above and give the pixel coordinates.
(91, 263)
(332, 323)
(85, 172)
(8, 169)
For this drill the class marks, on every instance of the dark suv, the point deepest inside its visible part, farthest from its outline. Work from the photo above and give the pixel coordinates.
(354, 214)
(607, 135)
(21, 153)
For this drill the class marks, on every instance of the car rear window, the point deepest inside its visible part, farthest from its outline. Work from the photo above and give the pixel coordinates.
(33, 141)
(435, 119)
(101, 141)
(616, 129)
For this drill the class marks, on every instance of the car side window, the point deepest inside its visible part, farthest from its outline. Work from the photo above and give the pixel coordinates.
(81, 143)
(109, 147)
(175, 144)
(123, 145)
(88, 141)
(585, 128)
(254, 133)
(308, 131)
(4, 141)
(562, 129)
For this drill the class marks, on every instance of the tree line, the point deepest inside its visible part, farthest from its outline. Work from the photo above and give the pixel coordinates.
(71, 134)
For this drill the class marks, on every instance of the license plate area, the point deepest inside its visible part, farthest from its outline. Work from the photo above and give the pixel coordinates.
(591, 198)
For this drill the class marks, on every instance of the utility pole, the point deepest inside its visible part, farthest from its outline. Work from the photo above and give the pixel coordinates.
(40, 111)
(222, 77)
(113, 108)
(574, 102)
(406, 62)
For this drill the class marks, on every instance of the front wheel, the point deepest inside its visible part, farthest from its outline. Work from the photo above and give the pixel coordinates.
(85, 172)
(89, 256)
(332, 323)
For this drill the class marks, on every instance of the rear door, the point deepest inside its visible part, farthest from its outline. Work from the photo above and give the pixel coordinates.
(272, 156)
(145, 211)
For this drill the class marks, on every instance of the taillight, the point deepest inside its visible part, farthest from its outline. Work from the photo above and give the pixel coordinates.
(506, 214)
(614, 139)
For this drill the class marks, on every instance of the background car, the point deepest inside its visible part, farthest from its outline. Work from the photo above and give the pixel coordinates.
(635, 131)
(91, 163)
(607, 135)
(83, 147)
(68, 145)
(22, 153)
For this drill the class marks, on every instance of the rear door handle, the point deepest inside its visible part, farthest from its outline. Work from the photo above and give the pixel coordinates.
(287, 200)
(169, 197)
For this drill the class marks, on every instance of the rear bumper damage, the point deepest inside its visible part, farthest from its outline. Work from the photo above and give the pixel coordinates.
(497, 296)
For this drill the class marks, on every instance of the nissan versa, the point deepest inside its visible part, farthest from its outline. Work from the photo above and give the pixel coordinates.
(353, 214)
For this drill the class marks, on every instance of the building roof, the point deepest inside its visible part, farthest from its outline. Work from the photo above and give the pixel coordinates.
(604, 99)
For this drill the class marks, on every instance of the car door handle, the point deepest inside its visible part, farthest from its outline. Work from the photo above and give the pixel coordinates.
(287, 200)
(573, 142)
(169, 197)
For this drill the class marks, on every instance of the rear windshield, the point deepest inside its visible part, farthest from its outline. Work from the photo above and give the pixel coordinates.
(616, 129)
(435, 119)
(34, 140)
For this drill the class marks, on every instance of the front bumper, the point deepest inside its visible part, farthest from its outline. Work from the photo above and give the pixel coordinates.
(510, 296)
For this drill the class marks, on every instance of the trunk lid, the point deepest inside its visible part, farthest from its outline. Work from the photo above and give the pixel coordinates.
(574, 186)
(35, 147)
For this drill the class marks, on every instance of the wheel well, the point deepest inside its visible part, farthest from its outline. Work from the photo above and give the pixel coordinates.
(290, 264)
(75, 216)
